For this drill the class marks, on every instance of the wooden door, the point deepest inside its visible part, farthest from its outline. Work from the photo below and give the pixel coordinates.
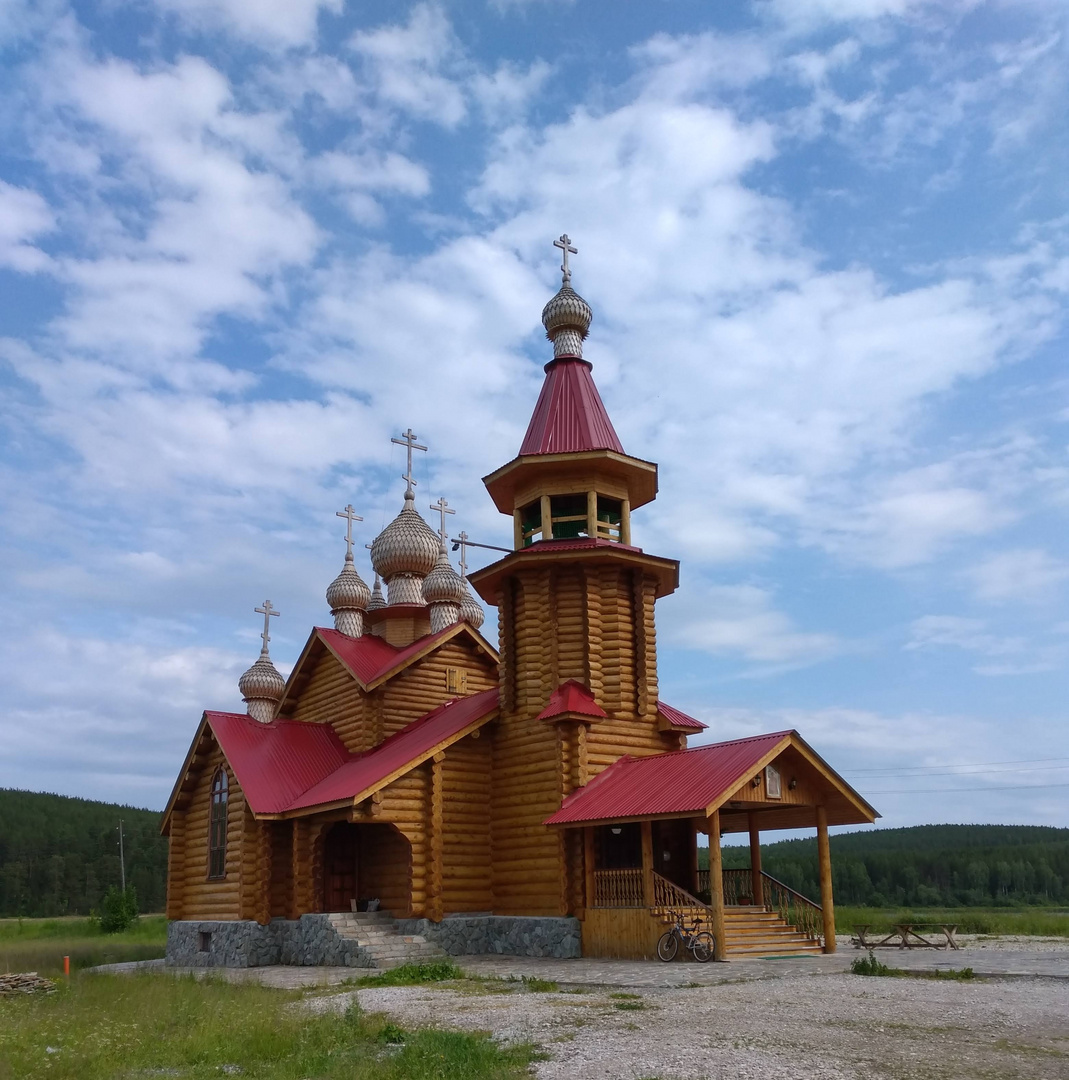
(340, 857)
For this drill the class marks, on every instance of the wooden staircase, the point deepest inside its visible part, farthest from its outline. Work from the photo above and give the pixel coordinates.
(753, 931)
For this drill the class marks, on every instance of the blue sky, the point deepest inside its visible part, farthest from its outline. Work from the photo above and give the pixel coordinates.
(242, 244)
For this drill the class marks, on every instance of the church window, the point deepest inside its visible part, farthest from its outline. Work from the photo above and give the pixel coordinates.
(569, 516)
(531, 522)
(455, 680)
(217, 826)
(610, 515)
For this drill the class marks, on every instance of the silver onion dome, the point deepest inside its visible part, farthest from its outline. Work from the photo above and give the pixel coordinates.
(262, 688)
(348, 597)
(471, 610)
(406, 552)
(567, 319)
(443, 584)
(377, 599)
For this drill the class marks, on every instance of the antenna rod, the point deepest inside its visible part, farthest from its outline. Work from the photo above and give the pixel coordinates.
(122, 859)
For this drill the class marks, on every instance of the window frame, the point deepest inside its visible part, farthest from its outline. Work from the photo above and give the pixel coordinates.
(218, 814)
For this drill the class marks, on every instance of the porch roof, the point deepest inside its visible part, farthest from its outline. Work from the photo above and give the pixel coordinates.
(692, 783)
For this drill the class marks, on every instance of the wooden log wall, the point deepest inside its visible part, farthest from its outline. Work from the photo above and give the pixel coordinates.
(422, 686)
(405, 804)
(202, 898)
(384, 868)
(466, 825)
(331, 695)
(175, 865)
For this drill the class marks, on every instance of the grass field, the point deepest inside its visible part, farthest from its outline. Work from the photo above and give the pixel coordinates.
(104, 1028)
(40, 944)
(1041, 922)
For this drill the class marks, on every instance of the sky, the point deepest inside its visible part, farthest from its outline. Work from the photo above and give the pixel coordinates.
(243, 243)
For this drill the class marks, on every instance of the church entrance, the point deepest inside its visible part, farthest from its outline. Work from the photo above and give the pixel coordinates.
(362, 863)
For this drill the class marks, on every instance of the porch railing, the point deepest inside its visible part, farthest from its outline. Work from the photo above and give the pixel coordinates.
(668, 896)
(619, 888)
(794, 908)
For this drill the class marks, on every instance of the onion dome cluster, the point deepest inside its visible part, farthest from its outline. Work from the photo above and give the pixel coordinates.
(377, 599)
(262, 688)
(567, 319)
(348, 597)
(404, 553)
(471, 610)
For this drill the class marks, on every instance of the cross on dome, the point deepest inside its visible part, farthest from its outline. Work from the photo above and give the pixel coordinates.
(565, 245)
(266, 611)
(442, 506)
(350, 516)
(408, 439)
(462, 543)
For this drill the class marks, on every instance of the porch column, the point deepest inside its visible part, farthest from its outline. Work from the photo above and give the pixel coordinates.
(716, 883)
(647, 863)
(588, 867)
(826, 902)
(757, 885)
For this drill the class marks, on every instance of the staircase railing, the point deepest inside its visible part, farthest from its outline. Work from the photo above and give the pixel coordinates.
(619, 888)
(794, 908)
(667, 895)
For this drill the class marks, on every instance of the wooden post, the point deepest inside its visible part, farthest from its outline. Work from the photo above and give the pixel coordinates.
(592, 513)
(758, 891)
(647, 863)
(517, 528)
(588, 867)
(716, 883)
(547, 519)
(826, 901)
(625, 522)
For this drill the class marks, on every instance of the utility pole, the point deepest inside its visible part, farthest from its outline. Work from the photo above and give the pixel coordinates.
(122, 859)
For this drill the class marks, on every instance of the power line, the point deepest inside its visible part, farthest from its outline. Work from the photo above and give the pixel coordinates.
(952, 771)
(898, 769)
(959, 790)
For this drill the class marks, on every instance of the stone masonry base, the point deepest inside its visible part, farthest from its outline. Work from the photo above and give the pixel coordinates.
(312, 941)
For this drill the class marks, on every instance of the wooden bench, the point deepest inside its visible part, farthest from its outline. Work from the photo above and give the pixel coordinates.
(909, 936)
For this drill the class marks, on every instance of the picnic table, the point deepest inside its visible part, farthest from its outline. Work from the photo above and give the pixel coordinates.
(908, 936)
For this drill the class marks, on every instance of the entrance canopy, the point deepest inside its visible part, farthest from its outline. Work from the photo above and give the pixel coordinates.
(778, 775)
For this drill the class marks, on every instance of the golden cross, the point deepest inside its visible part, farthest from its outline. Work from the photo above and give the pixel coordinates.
(266, 611)
(350, 516)
(408, 439)
(565, 244)
(443, 508)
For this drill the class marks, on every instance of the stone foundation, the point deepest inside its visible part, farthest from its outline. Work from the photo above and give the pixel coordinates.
(312, 941)
(505, 935)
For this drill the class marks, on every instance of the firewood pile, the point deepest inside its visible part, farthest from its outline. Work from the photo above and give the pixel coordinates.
(27, 982)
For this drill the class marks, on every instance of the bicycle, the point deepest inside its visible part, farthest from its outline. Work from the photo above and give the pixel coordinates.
(701, 943)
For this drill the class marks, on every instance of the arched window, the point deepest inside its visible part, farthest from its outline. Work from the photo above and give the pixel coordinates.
(217, 827)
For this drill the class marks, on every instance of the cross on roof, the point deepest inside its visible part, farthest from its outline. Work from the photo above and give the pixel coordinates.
(266, 611)
(350, 516)
(443, 508)
(462, 543)
(565, 244)
(408, 439)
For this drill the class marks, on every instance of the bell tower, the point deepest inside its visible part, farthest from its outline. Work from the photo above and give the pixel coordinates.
(575, 603)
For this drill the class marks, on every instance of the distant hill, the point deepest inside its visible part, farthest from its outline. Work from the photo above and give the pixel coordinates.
(929, 865)
(59, 855)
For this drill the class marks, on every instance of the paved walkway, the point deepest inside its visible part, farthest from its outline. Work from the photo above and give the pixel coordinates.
(1001, 963)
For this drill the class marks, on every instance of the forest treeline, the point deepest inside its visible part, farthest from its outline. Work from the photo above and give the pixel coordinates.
(59, 855)
(928, 866)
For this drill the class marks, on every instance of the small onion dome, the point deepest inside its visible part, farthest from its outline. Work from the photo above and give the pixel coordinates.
(471, 611)
(408, 545)
(443, 584)
(262, 688)
(348, 591)
(567, 319)
(377, 599)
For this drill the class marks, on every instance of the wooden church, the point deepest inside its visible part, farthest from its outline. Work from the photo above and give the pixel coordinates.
(409, 765)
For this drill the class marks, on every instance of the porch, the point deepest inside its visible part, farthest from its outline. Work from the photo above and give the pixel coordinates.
(639, 875)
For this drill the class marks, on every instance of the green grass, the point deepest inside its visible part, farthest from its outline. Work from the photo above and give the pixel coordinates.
(40, 944)
(869, 965)
(109, 1028)
(411, 975)
(1039, 922)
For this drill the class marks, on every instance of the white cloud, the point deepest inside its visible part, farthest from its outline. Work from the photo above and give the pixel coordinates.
(1006, 655)
(270, 23)
(1022, 574)
(23, 216)
(505, 92)
(740, 620)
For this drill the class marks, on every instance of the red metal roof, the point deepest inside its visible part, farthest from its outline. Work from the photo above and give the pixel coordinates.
(571, 697)
(369, 657)
(681, 782)
(570, 415)
(293, 765)
(679, 719)
(275, 762)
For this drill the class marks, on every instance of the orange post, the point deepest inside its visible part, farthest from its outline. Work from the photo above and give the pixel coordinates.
(67, 966)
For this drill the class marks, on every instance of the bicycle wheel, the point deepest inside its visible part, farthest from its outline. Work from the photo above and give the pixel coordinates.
(704, 946)
(668, 946)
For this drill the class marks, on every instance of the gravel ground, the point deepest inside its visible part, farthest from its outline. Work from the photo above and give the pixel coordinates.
(798, 1027)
